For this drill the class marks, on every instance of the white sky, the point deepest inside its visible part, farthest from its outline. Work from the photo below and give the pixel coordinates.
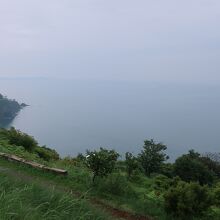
(162, 40)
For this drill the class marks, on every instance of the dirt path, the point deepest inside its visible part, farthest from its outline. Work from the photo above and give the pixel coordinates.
(114, 212)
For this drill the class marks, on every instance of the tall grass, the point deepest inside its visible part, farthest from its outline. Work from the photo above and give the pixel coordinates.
(30, 202)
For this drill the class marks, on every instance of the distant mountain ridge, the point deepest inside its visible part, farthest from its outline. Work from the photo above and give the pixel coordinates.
(9, 108)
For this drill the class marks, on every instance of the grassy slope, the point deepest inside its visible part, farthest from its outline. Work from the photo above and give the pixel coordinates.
(31, 202)
(137, 197)
(79, 180)
(20, 200)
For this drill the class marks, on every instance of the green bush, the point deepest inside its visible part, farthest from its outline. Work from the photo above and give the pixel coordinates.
(19, 138)
(47, 153)
(162, 182)
(167, 169)
(216, 195)
(80, 157)
(211, 161)
(70, 161)
(187, 200)
(138, 177)
(190, 168)
(115, 184)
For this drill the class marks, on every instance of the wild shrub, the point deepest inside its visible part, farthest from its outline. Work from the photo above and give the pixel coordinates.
(189, 167)
(167, 169)
(137, 177)
(212, 162)
(115, 184)
(69, 161)
(19, 138)
(47, 153)
(162, 183)
(187, 200)
(80, 157)
(101, 162)
(216, 195)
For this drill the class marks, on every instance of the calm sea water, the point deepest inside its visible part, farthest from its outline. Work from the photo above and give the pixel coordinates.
(72, 115)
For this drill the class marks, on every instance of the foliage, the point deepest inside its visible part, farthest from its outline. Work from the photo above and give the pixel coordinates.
(141, 194)
(80, 157)
(167, 170)
(137, 177)
(189, 167)
(101, 162)
(20, 152)
(131, 163)
(211, 161)
(216, 194)
(115, 184)
(69, 161)
(152, 157)
(47, 153)
(162, 183)
(187, 200)
(19, 138)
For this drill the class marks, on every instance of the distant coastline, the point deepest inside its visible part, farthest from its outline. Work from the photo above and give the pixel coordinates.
(9, 109)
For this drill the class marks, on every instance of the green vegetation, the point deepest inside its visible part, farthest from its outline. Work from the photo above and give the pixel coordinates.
(9, 108)
(152, 156)
(186, 200)
(101, 162)
(131, 163)
(188, 188)
(191, 167)
(46, 153)
(19, 138)
(29, 201)
(13, 141)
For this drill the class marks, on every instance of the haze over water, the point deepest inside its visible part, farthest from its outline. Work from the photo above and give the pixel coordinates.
(74, 115)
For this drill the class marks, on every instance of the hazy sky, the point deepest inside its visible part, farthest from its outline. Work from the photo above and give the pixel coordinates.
(111, 39)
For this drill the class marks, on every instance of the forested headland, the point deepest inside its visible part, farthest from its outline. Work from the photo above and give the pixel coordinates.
(9, 108)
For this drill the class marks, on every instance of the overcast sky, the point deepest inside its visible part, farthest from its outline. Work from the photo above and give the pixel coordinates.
(168, 40)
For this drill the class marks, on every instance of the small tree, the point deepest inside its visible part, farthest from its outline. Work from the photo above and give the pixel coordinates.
(152, 157)
(190, 167)
(187, 200)
(101, 162)
(131, 163)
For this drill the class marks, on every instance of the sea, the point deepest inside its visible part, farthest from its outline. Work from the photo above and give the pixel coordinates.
(72, 115)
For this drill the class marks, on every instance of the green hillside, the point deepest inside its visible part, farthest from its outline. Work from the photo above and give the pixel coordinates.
(100, 186)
